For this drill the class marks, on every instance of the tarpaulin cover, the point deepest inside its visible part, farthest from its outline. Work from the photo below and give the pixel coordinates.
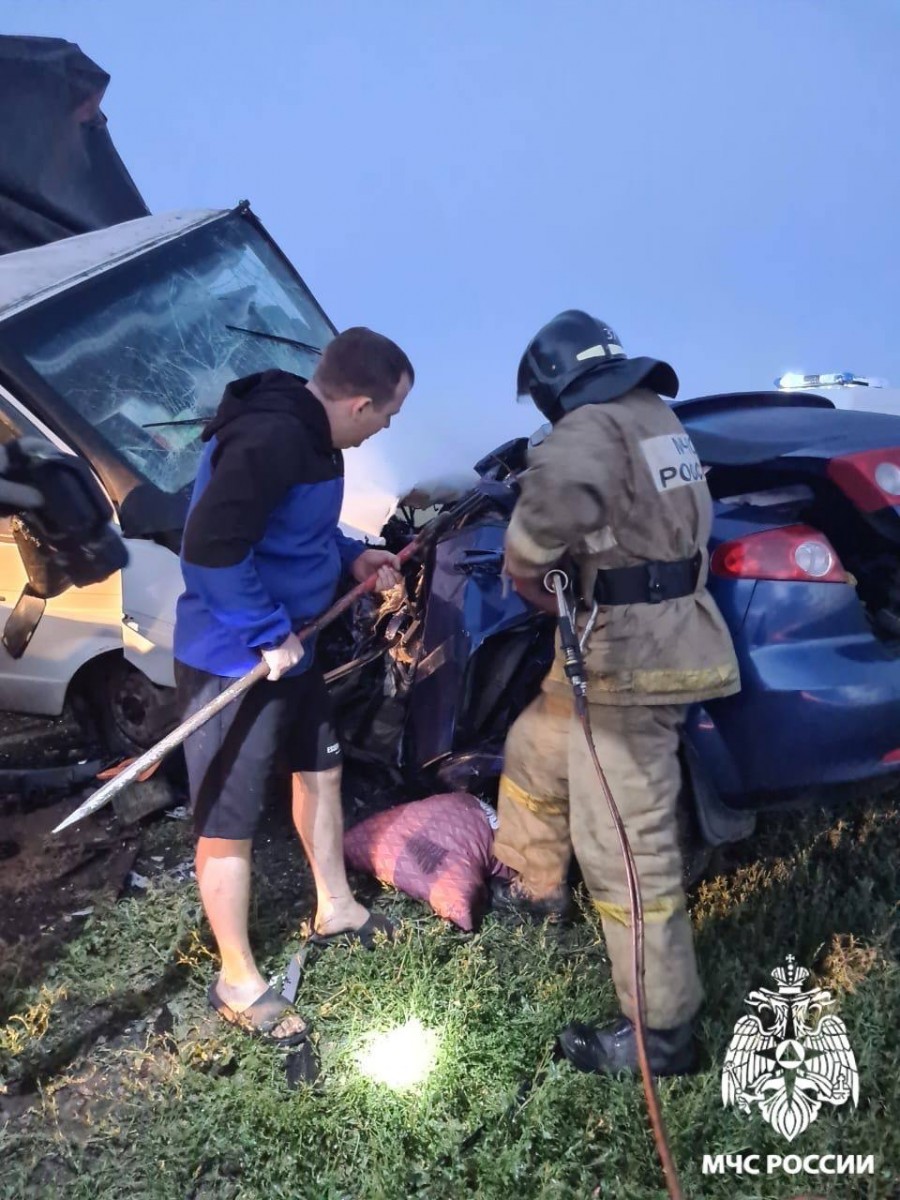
(60, 173)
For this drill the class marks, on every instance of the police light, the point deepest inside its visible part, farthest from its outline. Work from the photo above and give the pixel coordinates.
(793, 381)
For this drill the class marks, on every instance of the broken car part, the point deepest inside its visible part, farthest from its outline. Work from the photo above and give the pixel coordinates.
(242, 685)
(68, 540)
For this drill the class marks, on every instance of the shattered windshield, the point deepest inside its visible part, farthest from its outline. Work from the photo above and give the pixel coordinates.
(144, 351)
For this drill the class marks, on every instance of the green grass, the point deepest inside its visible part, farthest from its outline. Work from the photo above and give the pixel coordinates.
(208, 1113)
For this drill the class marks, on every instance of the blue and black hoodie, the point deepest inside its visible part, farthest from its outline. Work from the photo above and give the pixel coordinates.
(262, 552)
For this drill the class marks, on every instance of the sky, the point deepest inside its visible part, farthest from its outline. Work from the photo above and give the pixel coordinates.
(719, 180)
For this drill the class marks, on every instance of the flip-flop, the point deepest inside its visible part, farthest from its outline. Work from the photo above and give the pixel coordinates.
(364, 936)
(260, 1018)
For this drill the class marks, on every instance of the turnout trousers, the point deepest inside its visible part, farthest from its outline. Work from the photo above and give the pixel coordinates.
(551, 804)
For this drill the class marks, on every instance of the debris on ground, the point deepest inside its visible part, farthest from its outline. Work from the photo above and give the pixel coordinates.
(52, 883)
(46, 877)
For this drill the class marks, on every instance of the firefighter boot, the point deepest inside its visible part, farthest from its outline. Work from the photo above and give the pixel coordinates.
(613, 1048)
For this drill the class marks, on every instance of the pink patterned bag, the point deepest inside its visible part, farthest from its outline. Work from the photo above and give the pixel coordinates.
(439, 850)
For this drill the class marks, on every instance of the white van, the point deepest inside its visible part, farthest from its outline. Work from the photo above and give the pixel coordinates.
(116, 345)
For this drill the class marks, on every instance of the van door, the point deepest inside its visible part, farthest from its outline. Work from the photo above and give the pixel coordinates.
(76, 626)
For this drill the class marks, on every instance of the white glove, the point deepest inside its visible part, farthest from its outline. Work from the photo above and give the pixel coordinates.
(284, 657)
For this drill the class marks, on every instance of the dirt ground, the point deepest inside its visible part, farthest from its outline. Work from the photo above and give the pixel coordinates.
(50, 882)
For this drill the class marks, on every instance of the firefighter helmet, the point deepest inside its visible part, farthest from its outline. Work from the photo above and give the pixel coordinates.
(576, 359)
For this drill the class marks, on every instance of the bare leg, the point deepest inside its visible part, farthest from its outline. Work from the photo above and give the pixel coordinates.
(223, 875)
(320, 825)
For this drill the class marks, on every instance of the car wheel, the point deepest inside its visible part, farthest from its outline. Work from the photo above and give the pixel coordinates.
(696, 854)
(132, 713)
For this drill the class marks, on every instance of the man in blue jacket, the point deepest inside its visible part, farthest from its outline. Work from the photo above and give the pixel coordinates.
(262, 555)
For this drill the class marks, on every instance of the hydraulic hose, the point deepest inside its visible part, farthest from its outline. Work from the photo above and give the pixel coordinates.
(557, 583)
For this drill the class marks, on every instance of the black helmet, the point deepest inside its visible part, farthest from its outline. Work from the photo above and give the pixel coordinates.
(574, 346)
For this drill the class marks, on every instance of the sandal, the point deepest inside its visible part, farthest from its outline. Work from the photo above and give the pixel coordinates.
(261, 1017)
(364, 936)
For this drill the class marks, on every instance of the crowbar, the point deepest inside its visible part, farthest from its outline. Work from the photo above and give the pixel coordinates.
(157, 753)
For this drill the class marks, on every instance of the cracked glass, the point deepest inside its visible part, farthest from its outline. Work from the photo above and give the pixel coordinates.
(144, 351)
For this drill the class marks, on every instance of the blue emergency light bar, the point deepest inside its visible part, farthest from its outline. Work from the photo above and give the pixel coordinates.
(793, 381)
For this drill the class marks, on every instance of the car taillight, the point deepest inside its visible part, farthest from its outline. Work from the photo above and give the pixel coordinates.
(870, 479)
(796, 552)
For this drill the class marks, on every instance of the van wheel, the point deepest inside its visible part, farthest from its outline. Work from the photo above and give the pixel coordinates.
(132, 713)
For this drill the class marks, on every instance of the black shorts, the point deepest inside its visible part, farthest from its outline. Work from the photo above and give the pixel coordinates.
(237, 759)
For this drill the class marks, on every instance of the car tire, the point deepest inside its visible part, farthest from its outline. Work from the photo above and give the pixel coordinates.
(696, 854)
(131, 713)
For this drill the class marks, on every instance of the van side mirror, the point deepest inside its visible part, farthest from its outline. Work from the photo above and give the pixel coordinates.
(67, 541)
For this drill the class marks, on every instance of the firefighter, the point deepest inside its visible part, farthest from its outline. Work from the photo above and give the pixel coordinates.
(615, 491)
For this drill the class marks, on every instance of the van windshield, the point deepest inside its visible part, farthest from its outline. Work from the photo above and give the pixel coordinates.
(144, 351)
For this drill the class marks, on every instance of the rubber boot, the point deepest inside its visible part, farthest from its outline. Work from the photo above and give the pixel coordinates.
(613, 1048)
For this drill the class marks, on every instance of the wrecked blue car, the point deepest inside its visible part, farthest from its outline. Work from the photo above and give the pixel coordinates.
(116, 345)
(804, 565)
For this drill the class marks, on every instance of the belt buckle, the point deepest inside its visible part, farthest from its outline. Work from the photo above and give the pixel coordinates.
(656, 591)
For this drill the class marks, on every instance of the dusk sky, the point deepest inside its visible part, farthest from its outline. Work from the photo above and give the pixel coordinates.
(718, 180)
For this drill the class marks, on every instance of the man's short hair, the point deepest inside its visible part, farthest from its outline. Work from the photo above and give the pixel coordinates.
(360, 362)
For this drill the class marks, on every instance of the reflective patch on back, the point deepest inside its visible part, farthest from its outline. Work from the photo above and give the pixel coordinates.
(672, 460)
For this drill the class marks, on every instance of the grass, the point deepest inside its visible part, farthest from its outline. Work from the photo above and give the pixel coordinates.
(138, 1092)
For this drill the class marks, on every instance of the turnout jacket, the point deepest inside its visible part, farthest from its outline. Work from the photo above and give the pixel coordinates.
(615, 485)
(262, 552)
